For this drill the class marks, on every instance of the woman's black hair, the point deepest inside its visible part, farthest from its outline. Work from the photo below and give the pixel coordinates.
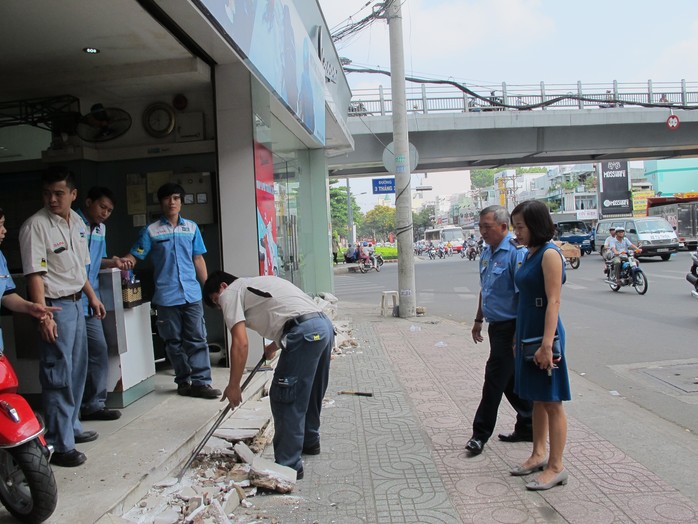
(213, 285)
(538, 220)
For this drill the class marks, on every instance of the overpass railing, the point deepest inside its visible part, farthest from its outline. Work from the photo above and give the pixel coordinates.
(424, 98)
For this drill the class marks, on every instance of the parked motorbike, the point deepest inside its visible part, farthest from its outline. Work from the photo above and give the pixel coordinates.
(27, 485)
(692, 275)
(630, 274)
(365, 263)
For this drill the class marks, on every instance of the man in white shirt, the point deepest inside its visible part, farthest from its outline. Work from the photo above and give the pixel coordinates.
(54, 249)
(281, 312)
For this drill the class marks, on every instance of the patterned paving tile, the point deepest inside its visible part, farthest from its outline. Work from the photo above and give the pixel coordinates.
(398, 457)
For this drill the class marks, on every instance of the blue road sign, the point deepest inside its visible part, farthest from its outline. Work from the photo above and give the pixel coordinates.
(383, 185)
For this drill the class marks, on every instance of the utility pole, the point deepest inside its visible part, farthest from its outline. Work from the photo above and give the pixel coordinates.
(403, 193)
(350, 216)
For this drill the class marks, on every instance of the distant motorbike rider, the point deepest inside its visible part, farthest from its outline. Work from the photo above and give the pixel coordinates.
(350, 254)
(606, 249)
(620, 246)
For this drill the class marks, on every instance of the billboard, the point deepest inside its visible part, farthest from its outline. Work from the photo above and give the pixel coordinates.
(614, 188)
(273, 41)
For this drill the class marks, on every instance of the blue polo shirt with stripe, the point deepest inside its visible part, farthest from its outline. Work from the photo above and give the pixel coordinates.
(172, 250)
(97, 243)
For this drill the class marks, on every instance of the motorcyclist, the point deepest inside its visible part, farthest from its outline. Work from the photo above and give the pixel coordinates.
(372, 254)
(471, 244)
(620, 246)
(350, 254)
(605, 250)
(364, 252)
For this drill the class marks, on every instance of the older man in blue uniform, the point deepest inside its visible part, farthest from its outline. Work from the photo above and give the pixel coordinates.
(497, 305)
(179, 267)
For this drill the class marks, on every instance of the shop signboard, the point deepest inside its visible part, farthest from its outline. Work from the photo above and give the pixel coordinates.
(273, 42)
(614, 188)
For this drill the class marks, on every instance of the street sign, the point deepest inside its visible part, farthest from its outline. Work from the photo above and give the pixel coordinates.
(383, 185)
(673, 122)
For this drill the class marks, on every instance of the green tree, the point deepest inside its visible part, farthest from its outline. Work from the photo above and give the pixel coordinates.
(422, 221)
(424, 218)
(480, 178)
(535, 169)
(338, 210)
(377, 223)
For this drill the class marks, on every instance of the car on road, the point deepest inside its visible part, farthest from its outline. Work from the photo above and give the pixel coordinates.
(654, 235)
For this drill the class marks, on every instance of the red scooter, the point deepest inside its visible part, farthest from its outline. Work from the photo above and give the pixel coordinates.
(27, 485)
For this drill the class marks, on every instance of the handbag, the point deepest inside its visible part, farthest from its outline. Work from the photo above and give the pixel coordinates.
(529, 346)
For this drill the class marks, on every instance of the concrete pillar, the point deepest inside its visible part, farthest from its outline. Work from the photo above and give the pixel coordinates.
(236, 181)
(314, 221)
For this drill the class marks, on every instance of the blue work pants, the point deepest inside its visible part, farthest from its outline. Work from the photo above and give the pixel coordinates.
(95, 394)
(62, 372)
(183, 330)
(299, 385)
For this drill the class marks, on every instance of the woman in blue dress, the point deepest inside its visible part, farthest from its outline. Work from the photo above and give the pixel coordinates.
(543, 381)
(8, 296)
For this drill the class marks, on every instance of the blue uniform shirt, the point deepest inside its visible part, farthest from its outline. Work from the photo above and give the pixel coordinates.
(97, 243)
(500, 296)
(173, 250)
(7, 286)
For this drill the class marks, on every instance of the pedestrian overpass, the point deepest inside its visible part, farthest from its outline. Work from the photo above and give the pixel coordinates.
(505, 126)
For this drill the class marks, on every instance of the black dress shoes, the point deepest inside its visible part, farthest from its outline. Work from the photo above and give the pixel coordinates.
(101, 414)
(68, 459)
(516, 437)
(312, 450)
(474, 446)
(86, 436)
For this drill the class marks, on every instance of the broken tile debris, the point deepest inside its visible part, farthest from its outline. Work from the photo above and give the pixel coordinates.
(230, 470)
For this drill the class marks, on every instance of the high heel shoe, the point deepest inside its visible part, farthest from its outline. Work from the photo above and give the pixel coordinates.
(560, 478)
(520, 471)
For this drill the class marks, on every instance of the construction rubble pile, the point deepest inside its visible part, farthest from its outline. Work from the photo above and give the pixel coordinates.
(230, 470)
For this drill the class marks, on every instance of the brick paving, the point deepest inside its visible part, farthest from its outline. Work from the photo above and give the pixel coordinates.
(399, 456)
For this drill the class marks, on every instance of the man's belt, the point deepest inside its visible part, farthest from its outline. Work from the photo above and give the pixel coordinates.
(74, 297)
(290, 324)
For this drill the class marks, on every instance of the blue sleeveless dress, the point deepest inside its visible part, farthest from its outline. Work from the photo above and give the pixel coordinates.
(530, 382)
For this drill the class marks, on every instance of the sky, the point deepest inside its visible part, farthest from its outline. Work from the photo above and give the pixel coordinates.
(486, 42)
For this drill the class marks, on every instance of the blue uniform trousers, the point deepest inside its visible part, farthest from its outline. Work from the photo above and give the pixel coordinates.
(183, 330)
(95, 394)
(299, 385)
(62, 372)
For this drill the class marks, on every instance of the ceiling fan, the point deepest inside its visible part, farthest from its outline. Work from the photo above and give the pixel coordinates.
(102, 124)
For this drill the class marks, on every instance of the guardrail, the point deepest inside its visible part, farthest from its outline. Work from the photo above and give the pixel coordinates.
(426, 99)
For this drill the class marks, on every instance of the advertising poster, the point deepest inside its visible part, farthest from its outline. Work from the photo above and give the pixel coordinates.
(266, 211)
(273, 40)
(614, 188)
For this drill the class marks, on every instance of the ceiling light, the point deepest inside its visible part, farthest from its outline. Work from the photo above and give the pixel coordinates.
(90, 50)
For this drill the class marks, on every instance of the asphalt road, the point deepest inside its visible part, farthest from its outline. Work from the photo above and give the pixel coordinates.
(640, 347)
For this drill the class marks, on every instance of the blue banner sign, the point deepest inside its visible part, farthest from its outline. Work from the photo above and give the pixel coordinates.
(383, 185)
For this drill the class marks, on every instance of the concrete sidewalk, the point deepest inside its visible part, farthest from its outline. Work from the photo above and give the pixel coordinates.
(398, 456)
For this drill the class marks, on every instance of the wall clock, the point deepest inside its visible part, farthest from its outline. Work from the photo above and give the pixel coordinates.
(159, 119)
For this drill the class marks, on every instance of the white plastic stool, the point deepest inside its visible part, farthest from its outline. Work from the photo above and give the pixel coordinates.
(385, 312)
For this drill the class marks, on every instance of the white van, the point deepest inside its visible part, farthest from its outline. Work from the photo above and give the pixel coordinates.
(654, 235)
